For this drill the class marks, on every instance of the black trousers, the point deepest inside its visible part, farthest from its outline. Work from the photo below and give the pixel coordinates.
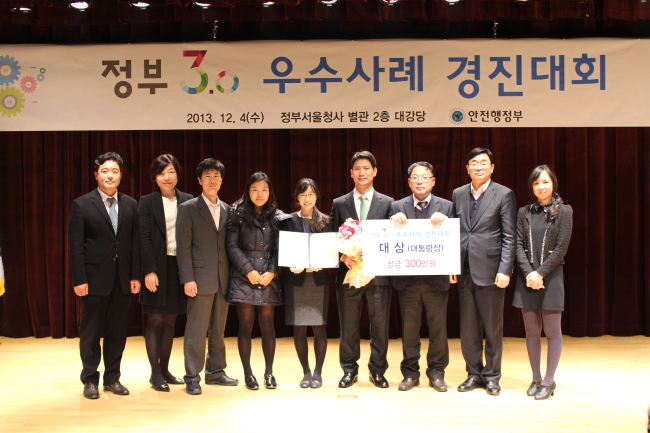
(481, 312)
(350, 301)
(412, 299)
(110, 314)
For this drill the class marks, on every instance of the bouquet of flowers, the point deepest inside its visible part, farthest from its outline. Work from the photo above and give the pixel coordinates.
(349, 237)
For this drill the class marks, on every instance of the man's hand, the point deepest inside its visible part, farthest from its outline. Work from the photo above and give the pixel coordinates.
(502, 280)
(191, 289)
(81, 289)
(151, 282)
(296, 270)
(399, 219)
(453, 279)
(135, 286)
(437, 219)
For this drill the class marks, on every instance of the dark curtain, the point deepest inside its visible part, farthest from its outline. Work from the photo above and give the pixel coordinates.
(600, 171)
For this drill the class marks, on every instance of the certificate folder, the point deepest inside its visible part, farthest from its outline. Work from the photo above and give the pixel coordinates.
(308, 250)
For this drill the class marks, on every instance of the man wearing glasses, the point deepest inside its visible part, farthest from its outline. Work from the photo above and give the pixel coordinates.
(487, 213)
(432, 291)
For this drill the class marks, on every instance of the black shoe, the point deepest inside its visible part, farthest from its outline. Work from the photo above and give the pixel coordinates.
(379, 380)
(171, 380)
(438, 384)
(193, 388)
(162, 387)
(117, 388)
(545, 392)
(222, 380)
(407, 384)
(251, 382)
(306, 381)
(492, 387)
(532, 389)
(347, 380)
(91, 391)
(470, 384)
(269, 381)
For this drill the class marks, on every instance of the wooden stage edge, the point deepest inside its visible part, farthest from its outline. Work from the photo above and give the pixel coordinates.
(603, 386)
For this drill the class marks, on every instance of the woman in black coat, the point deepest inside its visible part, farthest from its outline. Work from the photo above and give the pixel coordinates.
(306, 291)
(543, 235)
(252, 246)
(163, 297)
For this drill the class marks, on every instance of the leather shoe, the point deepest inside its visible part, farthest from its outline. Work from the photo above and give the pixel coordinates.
(492, 387)
(379, 380)
(532, 389)
(117, 388)
(91, 391)
(222, 380)
(193, 388)
(407, 384)
(545, 392)
(251, 382)
(470, 384)
(438, 384)
(347, 380)
(171, 380)
(269, 381)
(162, 387)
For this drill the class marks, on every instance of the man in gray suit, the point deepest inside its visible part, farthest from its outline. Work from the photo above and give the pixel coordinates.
(430, 291)
(204, 272)
(487, 213)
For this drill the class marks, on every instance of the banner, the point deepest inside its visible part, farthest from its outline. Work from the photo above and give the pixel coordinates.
(417, 248)
(325, 84)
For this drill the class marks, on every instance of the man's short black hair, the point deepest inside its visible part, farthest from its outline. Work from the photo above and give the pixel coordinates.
(210, 164)
(423, 164)
(364, 154)
(477, 151)
(108, 156)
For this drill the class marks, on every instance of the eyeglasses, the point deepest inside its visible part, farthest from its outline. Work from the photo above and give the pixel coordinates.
(483, 165)
(311, 195)
(423, 179)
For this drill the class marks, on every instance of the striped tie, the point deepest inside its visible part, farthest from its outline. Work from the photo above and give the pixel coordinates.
(112, 213)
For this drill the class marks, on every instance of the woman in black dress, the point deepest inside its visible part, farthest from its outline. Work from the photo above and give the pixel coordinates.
(306, 291)
(163, 298)
(252, 246)
(543, 235)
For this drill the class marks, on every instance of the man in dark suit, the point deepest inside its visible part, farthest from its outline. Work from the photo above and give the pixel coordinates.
(487, 213)
(204, 270)
(432, 291)
(105, 261)
(360, 204)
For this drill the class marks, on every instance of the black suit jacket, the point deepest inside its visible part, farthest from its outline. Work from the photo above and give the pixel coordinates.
(95, 249)
(489, 243)
(407, 207)
(343, 208)
(153, 243)
(322, 277)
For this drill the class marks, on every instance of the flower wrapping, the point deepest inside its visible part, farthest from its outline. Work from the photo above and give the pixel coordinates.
(349, 243)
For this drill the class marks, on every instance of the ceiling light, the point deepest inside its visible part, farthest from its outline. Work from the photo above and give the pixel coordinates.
(203, 5)
(80, 6)
(452, 2)
(328, 2)
(267, 4)
(390, 2)
(24, 10)
(140, 5)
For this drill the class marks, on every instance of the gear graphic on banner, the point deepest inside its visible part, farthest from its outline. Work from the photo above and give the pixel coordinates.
(12, 101)
(28, 84)
(9, 70)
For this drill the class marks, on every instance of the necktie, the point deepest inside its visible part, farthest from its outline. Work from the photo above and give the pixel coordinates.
(363, 208)
(422, 205)
(112, 213)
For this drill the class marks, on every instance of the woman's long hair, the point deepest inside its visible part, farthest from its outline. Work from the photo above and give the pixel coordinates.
(318, 219)
(557, 200)
(245, 209)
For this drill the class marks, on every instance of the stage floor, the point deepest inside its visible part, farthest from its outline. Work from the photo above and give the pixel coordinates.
(603, 386)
